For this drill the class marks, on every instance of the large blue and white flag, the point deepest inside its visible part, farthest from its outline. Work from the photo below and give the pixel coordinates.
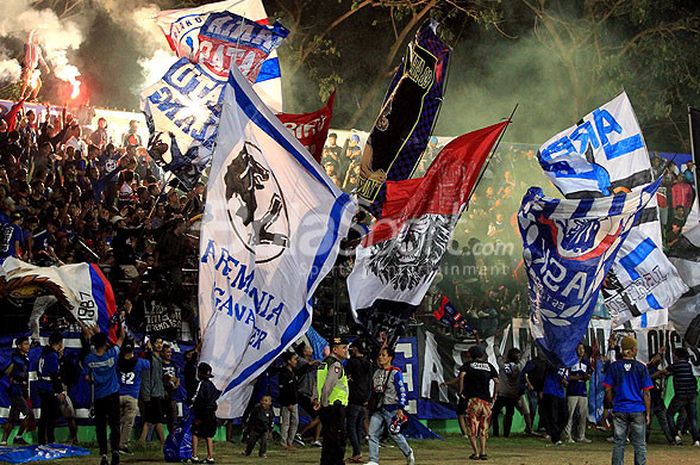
(271, 231)
(603, 154)
(569, 247)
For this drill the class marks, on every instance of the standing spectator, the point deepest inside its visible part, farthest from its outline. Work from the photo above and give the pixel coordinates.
(101, 366)
(359, 370)
(577, 397)
(259, 426)
(171, 382)
(190, 371)
(389, 406)
(131, 138)
(682, 193)
(475, 387)
(658, 408)
(685, 397)
(99, 137)
(131, 370)
(11, 235)
(50, 387)
(153, 392)
(508, 392)
(627, 385)
(553, 403)
(289, 415)
(204, 413)
(533, 376)
(306, 369)
(332, 392)
(18, 372)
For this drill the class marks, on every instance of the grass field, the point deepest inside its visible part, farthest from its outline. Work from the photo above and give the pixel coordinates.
(517, 450)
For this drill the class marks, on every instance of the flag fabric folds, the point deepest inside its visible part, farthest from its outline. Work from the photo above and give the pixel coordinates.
(569, 247)
(80, 288)
(603, 154)
(447, 315)
(398, 259)
(402, 129)
(311, 129)
(271, 231)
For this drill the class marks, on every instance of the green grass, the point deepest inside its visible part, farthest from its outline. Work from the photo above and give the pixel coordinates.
(517, 450)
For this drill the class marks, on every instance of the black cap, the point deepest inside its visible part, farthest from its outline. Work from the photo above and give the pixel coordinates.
(477, 351)
(339, 341)
(128, 346)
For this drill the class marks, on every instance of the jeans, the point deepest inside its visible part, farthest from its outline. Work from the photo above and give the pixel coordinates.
(577, 405)
(356, 427)
(107, 411)
(509, 405)
(289, 424)
(380, 420)
(128, 407)
(659, 411)
(637, 425)
(689, 405)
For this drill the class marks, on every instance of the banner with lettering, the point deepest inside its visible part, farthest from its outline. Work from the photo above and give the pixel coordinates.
(408, 114)
(311, 129)
(603, 154)
(569, 247)
(271, 231)
(182, 27)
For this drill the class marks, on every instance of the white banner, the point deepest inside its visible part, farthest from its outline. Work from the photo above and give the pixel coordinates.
(270, 233)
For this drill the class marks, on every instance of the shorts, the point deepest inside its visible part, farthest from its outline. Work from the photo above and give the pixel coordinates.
(18, 406)
(478, 417)
(153, 410)
(308, 406)
(204, 427)
(66, 407)
(462, 407)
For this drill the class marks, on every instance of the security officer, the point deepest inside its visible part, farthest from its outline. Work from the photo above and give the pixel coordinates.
(332, 391)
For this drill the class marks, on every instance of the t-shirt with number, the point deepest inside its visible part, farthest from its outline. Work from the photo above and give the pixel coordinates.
(10, 235)
(130, 379)
(477, 380)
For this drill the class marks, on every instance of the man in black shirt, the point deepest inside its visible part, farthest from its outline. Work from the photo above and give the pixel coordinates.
(686, 394)
(475, 388)
(658, 408)
(359, 370)
(289, 408)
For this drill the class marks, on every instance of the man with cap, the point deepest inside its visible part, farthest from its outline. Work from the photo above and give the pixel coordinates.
(627, 385)
(332, 391)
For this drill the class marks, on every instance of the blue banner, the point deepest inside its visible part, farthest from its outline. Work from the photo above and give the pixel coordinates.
(569, 247)
(40, 453)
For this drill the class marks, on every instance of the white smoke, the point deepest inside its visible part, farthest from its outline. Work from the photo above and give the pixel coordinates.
(10, 69)
(57, 37)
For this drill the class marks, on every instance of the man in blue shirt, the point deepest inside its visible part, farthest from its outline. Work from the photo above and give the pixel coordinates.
(50, 387)
(577, 397)
(627, 385)
(131, 370)
(101, 366)
(11, 236)
(18, 372)
(553, 403)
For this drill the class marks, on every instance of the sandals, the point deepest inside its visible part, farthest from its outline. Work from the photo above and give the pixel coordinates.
(483, 457)
(474, 457)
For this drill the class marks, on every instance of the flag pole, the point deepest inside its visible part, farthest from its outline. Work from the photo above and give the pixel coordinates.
(493, 152)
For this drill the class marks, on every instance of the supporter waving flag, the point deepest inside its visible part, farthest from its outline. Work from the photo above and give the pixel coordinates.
(601, 155)
(569, 247)
(271, 231)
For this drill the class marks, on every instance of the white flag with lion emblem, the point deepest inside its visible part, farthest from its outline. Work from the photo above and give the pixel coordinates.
(271, 231)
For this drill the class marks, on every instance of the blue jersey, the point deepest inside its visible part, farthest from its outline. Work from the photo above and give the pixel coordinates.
(10, 235)
(554, 380)
(578, 387)
(130, 379)
(103, 369)
(49, 372)
(628, 380)
(19, 375)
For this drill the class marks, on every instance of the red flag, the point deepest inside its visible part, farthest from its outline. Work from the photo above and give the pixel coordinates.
(311, 129)
(444, 189)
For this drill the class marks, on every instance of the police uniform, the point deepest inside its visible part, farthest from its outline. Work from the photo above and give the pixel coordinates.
(332, 387)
